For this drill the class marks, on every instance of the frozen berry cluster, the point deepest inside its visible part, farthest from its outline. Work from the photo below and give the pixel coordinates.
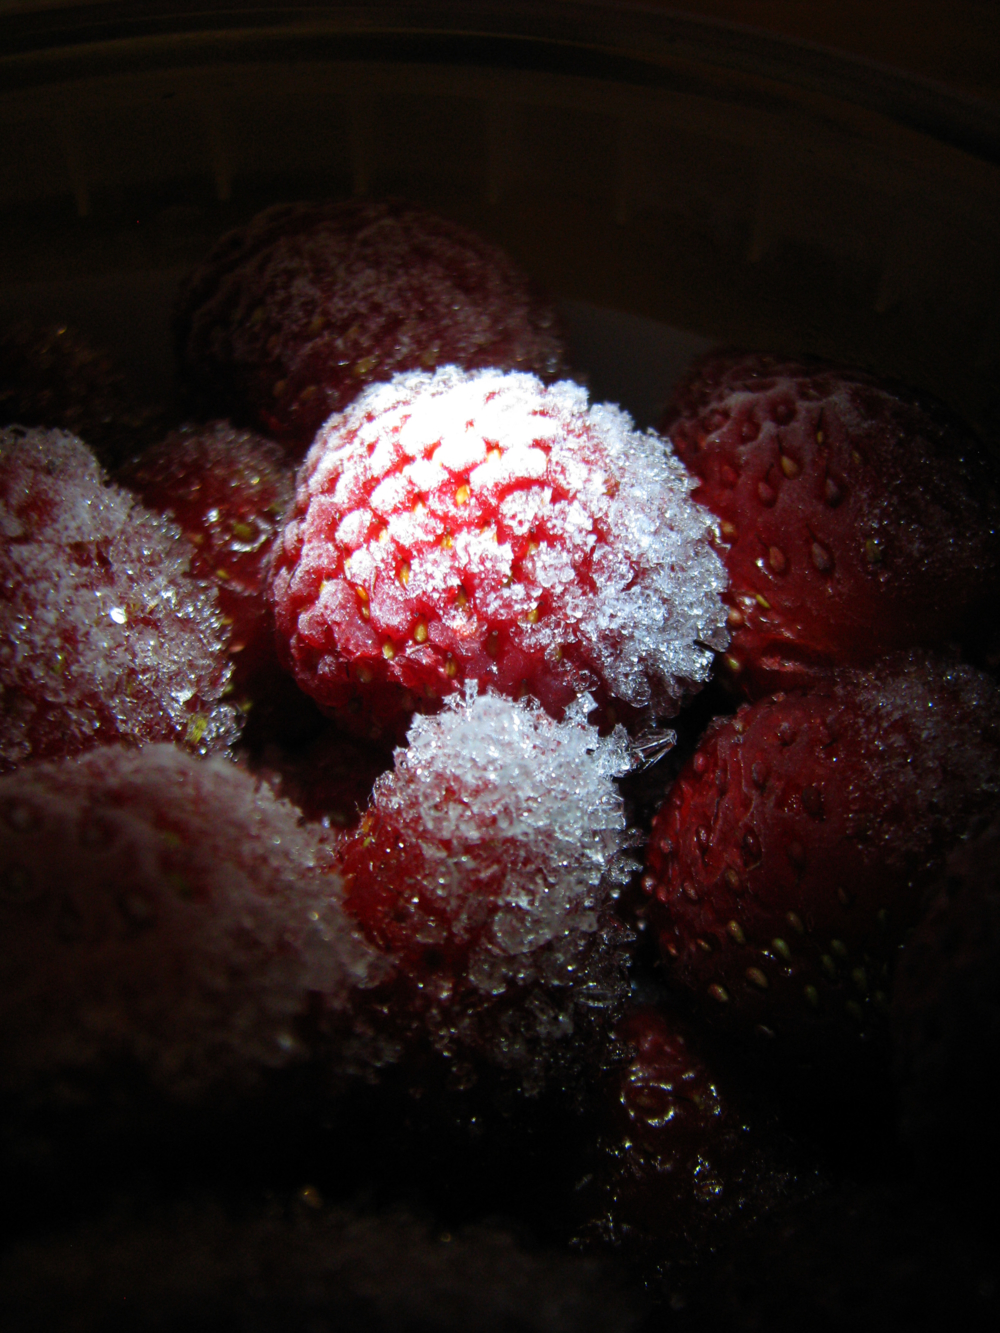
(549, 956)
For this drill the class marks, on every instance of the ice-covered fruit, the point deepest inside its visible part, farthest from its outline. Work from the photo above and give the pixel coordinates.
(486, 869)
(676, 1160)
(228, 490)
(52, 377)
(796, 846)
(164, 916)
(855, 517)
(104, 634)
(946, 1021)
(482, 526)
(289, 318)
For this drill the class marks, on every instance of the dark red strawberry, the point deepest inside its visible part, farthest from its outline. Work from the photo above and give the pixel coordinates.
(53, 377)
(482, 526)
(485, 870)
(855, 517)
(796, 846)
(228, 490)
(677, 1160)
(164, 917)
(290, 317)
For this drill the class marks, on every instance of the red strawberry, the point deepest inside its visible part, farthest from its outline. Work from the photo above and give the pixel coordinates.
(289, 318)
(161, 915)
(485, 869)
(855, 517)
(228, 491)
(796, 846)
(104, 636)
(481, 526)
(677, 1159)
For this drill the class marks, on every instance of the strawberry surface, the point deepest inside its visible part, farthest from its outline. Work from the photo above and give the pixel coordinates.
(855, 516)
(104, 634)
(162, 916)
(482, 526)
(290, 317)
(796, 846)
(485, 869)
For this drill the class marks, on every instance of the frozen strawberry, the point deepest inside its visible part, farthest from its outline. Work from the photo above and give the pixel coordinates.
(855, 517)
(485, 527)
(162, 915)
(53, 377)
(288, 318)
(677, 1160)
(104, 634)
(796, 846)
(946, 1021)
(228, 491)
(486, 868)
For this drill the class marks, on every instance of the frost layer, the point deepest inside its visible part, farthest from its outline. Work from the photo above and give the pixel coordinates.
(486, 868)
(484, 526)
(103, 634)
(161, 913)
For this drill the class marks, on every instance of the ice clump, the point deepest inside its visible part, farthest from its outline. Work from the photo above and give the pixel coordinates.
(486, 868)
(104, 636)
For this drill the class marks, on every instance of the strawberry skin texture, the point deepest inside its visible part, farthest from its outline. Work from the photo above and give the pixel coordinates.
(855, 517)
(795, 848)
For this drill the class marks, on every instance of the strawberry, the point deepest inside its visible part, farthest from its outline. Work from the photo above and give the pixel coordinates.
(677, 1160)
(290, 317)
(485, 870)
(228, 489)
(165, 916)
(796, 846)
(855, 516)
(481, 526)
(52, 377)
(104, 635)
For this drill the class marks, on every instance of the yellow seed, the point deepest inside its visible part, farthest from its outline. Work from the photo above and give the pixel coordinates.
(557, 653)
(829, 966)
(757, 978)
(812, 996)
(462, 495)
(795, 921)
(365, 364)
(447, 542)
(733, 663)
(532, 547)
(420, 631)
(451, 668)
(736, 931)
(728, 530)
(494, 455)
(532, 616)
(735, 618)
(364, 674)
(789, 466)
(403, 573)
(732, 879)
(388, 650)
(839, 948)
(762, 601)
(780, 946)
(873, 553)
(419, 507)
(820, 437)
(719, 993)
(383, 535)
(461, 597)
(704, 945)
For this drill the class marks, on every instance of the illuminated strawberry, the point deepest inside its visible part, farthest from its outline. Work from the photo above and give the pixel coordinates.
(856, 517)
(455, 527)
